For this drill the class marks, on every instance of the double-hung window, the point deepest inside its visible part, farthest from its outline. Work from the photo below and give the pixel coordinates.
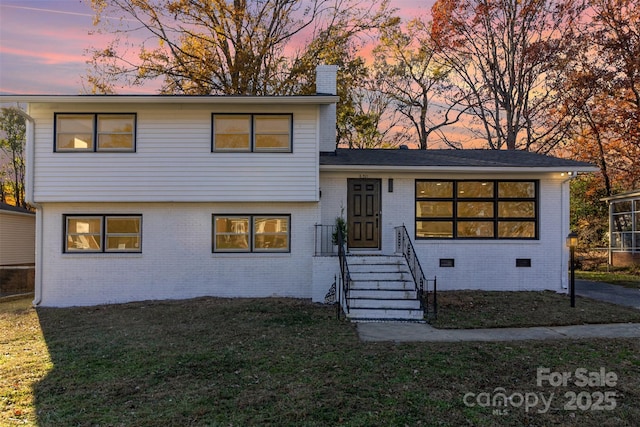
(251, 233)
(252, 132)
(102, 233)
(481, 209)
(94, 132)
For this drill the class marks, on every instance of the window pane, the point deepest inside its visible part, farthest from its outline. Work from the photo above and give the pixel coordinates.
(76, 141)
(475, 228)
(434, 209)
(232, 142)
(475, 209)
(272, 124)
(513, 190)
(123, 243)
(112, 123)
(123, 225)
(434, 229)
(434, 189)
(84, 234)
(231, 233)
(517, 229)
(622, 222)
(74, 123)
(622, 206)
(475, 189)
(271, 233)
(272, 142)
(516, 209)
(115, 141)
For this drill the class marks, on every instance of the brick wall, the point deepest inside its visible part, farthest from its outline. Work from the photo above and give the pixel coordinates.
(176, 260)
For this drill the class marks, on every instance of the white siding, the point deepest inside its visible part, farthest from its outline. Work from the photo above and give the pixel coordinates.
(481, 264)
(173, 159)
(176, 259)
(17, 238)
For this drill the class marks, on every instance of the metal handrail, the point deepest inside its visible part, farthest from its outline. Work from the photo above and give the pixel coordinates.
(404, 245)
(345, 276)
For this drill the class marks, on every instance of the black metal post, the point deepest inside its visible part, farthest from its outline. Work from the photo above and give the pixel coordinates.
(573, 276)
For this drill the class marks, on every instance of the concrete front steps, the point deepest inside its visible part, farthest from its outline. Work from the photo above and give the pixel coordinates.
(382, 289)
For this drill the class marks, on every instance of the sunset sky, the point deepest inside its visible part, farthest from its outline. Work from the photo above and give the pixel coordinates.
(43, 44)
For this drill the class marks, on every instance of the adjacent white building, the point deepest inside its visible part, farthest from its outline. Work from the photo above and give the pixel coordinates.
(159, 197)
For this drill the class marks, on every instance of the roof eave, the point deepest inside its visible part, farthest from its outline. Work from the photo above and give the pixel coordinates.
(458, 169)
(169, 99)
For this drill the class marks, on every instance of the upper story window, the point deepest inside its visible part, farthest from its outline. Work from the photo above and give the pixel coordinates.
(476, 209)
(252, 132)
(94, 132)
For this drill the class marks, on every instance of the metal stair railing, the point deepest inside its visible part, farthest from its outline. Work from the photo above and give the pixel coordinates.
(405, 246)
(345, 282)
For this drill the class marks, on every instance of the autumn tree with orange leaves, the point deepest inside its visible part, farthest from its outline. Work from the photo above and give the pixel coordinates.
(507, 55)
(604, 88)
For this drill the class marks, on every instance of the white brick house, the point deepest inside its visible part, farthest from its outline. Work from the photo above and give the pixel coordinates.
(159, 197)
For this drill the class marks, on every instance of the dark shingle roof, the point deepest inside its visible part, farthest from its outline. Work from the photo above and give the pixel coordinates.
(11, 208)
(494, 159)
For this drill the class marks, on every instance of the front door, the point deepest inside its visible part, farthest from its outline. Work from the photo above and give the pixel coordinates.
(363, 213)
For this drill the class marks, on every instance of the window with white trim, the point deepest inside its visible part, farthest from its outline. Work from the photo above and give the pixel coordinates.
(88, 132)
(476, 209)
(252, 132)
(251, 233)
(102, 233)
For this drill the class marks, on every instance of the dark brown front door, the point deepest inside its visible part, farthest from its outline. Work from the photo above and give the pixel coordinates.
(363, 213)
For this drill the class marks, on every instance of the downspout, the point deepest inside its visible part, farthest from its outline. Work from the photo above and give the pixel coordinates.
(29, 198)
(565, 195)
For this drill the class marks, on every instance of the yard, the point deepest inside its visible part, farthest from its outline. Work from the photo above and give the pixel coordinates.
(289, 363)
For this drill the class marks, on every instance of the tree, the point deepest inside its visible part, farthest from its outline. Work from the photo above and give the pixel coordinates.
(239, 47)
(604, 91)
(13, 125)
(412, 77)
(506, 55)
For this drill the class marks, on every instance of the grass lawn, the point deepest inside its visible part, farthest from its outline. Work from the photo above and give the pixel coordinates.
(484, 309)
(626, 279)
(280, 362)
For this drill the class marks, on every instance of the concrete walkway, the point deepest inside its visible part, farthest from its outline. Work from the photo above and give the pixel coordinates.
(421, 332)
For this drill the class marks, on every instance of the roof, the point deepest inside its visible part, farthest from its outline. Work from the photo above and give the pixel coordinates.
(171, 99)
(16, 209)
(633, 194)
(463, 160)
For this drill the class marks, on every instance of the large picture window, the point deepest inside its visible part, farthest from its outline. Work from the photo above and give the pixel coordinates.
(94, 132)
(102, 233)
(252, 132)
(251, 233)
(476, 209)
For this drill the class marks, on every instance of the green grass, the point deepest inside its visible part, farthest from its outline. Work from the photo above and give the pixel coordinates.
(485, 309)
(628, 280)
(279, 362)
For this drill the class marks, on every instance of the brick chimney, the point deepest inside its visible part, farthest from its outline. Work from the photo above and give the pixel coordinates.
(326, 84)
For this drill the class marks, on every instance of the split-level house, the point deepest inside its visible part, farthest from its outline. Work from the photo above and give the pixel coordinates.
(165, 197)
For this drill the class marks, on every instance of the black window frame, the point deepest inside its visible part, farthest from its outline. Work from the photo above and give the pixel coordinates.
(95, 116)
(251, 233)
(103, 233)
(495, 219)
(252, 138)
